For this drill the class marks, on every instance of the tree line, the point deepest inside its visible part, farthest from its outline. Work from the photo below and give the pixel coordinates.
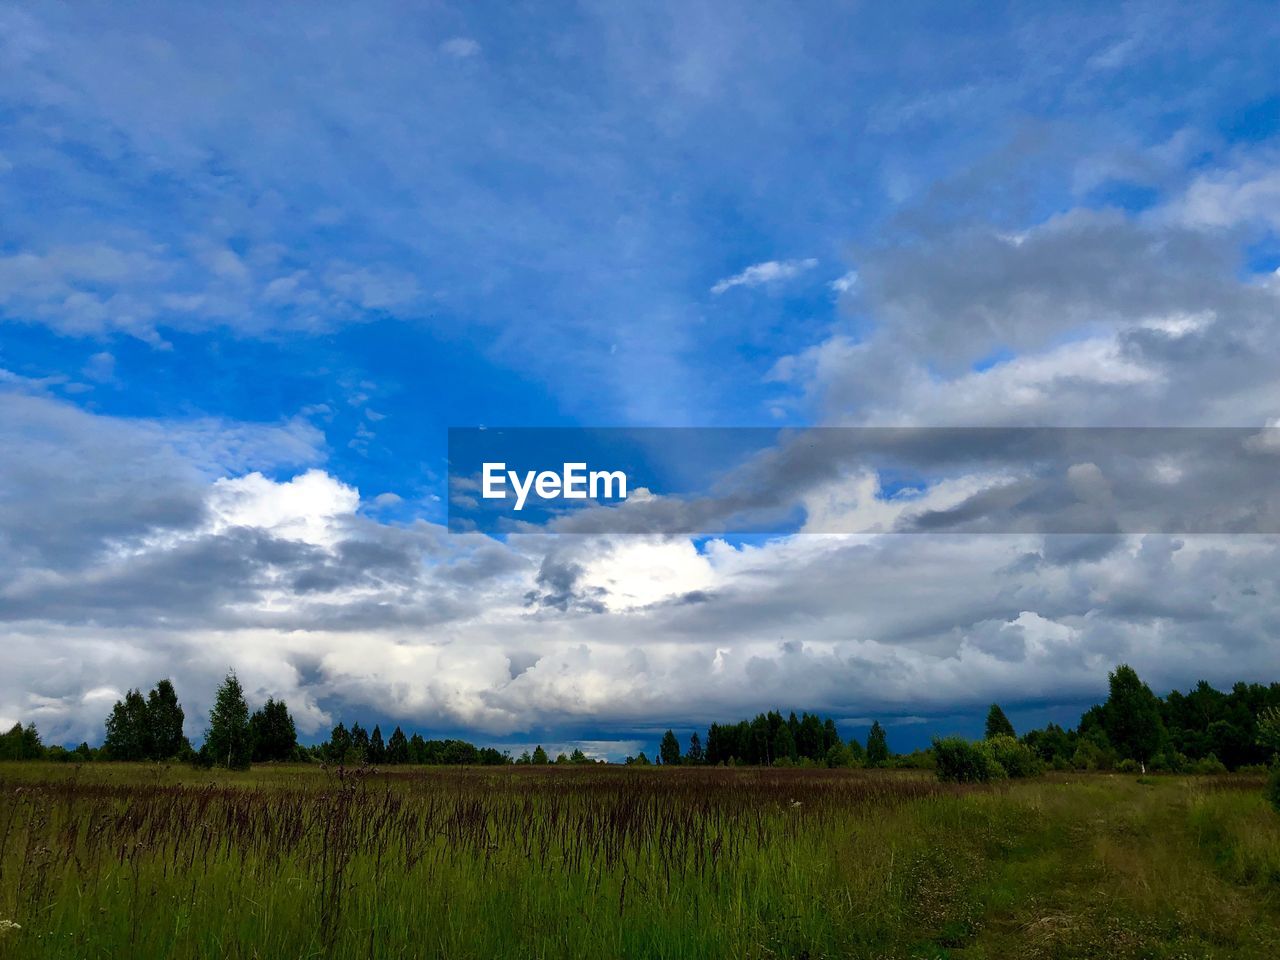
(1133, 730)
(151, 728)
(1202, 730)
(771, 740)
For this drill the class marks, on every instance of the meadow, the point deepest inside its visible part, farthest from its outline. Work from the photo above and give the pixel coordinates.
(144, 860)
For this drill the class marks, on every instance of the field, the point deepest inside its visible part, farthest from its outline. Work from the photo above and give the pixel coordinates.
(149, 861)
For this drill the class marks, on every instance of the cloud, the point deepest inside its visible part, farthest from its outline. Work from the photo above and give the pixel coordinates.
(460, 47)
(149, 564)
(761, 274)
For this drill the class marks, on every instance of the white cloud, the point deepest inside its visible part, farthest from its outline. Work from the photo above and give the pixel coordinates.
(308, 508)
(760, 274)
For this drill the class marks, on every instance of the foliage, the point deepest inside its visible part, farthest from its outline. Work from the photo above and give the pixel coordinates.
(770, 739)
(1209, 765)
(877, 746)
(1268, 724)
(273, 733)
(229, 742)
(695, 753)
(128, 733)
(165, 717)
(1016, 758)
(669, 749)
(1273, 786)
(539, 756)
(21, 743)
(998, 724)
(958, 760)
(1131, 716)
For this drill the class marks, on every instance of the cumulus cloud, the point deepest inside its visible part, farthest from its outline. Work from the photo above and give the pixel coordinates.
(288, 581)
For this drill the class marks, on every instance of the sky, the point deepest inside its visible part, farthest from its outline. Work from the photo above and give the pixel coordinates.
(255, 262)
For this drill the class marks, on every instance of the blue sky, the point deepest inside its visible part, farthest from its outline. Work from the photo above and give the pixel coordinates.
(246, 241)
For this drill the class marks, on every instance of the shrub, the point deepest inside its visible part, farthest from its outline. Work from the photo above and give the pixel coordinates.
(1017, 758)
(1210, 764)
(1090, 756)
(960, 761)
(1170, 762)
(1273, 786)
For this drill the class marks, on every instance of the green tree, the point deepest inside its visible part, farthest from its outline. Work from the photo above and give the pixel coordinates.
(578, 756)
(128, 734)
(810, 739)
(22, 743)
(669, 749)
(695, 753)
(1131, 716)
(877, 746)
(540, 755)
(784, 745)
(229, 741)
(397, 747)
(339, 745)
(165, 718)
(998, 724)
(275, 738)
(1269, 730)
(359, 752)
(377, 749)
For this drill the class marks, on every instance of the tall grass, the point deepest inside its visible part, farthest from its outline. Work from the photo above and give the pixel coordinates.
(555, 862)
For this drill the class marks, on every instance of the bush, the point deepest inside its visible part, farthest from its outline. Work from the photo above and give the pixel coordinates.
(960, 761)
(1127, 766)
(1210, 764)
(915, 760)
(1170, 762)
(1017, 758)
(1090, 756)
(1273, 786)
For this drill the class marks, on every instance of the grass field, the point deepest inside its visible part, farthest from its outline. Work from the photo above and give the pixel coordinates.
(144, 861)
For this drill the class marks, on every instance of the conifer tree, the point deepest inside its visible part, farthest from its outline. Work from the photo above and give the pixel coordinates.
(998, 724)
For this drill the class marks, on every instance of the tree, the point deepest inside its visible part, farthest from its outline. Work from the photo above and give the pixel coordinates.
(810, 740)
(229, 740)
(695, 754)
(165, 718)
(669, 749)
(128, 734)
(877, 746)
(275, 738)
(377, 749)
(359, 744)
(540, 755)
(578, 756)
(998, 724)
(1269, 730)
(397, 747)
(22, 743)
(784, 745)
(1131, 716)
(339, 745)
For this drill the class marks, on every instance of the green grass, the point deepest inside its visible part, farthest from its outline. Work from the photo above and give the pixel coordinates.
(144, 861)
